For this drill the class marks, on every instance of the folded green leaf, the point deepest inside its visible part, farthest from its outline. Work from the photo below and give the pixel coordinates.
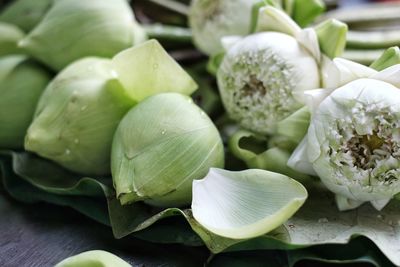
(245, 204)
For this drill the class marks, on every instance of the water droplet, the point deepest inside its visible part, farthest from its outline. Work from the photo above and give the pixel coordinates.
(155, 66)
(67, 151)
(163, 132)
(83, 108)
(323, 220)
(114, 74)
(202, 113)
(76, 141)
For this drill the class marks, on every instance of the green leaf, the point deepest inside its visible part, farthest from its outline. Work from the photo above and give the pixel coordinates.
(22, 190)
(245, 204)
(305, 11)
(332, 37)
(253, 150)
(147, 69)
(316, 225)
(390, 57)
(358, 250)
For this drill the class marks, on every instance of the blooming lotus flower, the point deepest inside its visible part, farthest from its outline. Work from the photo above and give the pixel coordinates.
(353, 142)
(263, 76)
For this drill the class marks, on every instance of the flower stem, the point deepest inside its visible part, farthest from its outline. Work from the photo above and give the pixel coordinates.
(173, 5)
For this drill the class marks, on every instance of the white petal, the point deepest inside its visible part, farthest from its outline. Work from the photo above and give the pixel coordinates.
(299, 159)
(330, 74)
(245, 204)
(389, 75)
(350, 71)
(314, 97)
(380, 204)
(229, 41)
(94, 258)
(273, 19)
(308, 38)
(344, 203)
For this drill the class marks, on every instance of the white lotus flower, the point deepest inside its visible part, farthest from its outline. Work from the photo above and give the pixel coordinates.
(353, 143)
(262, 77)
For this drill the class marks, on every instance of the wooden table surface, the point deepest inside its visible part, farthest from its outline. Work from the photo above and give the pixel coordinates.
(43, 235)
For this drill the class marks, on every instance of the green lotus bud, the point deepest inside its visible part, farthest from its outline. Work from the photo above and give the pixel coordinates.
(10, 35)
(77, 115)
(93, 258)
(21, 84)
(79, 111)
(160, 146)
(97, 28)
(26, 14)
(210, 20)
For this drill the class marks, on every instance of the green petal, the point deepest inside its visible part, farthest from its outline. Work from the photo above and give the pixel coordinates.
(305, 11)
(295, 126)
(332, 37)
(147, 69)
(25, 14)
(390, 57)
(94, 258)
(10, 35)
(245, 204)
